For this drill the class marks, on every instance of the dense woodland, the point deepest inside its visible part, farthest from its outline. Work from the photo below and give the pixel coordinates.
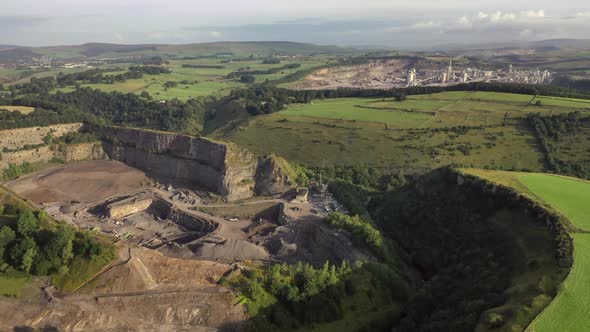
(32, 243)
(549, 131)
(444, 264)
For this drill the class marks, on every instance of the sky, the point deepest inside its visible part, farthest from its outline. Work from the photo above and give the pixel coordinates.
(419, 24)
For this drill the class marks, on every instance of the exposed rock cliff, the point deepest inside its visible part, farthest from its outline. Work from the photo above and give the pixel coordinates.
(274, 176)
(223, 168)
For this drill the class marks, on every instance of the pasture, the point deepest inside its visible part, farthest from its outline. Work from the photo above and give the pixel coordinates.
(422, 131)
(446, 109)
(569, 196)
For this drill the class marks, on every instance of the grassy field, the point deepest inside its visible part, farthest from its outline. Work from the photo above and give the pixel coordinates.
(22, 109)
(419, 132)
(13, 283)
(568, 195)
(438, 110)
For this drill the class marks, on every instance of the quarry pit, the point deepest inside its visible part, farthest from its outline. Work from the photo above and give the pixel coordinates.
(179, 221)
(186, 212)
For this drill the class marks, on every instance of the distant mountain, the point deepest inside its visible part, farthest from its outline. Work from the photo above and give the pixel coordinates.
(576, 44)
(17, 54)
(540, 46)
(240, 49)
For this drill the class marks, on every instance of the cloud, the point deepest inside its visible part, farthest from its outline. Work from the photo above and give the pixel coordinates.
(215, 34)
(535, 14)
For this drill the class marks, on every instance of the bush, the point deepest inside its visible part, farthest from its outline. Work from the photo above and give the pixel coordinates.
(362, 231)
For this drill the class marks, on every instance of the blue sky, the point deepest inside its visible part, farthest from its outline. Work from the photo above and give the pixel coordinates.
(391, 23)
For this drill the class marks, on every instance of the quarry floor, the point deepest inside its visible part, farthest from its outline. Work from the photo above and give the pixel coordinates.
(158, 284)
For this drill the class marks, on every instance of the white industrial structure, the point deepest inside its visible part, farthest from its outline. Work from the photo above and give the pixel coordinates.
(450, 76)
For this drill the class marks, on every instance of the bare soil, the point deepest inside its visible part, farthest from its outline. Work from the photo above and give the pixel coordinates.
(83, 182)
(144, 291)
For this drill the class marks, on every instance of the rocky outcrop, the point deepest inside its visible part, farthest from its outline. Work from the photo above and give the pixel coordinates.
(274, 176)
(78, 152)
(127, 207)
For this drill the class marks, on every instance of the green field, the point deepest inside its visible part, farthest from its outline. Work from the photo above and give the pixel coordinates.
(569, 196)
(438, 110)
(418, 132)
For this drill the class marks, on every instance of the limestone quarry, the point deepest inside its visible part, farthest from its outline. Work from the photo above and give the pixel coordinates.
(168, 199)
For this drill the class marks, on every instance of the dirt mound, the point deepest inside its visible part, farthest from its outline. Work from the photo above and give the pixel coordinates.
(144, 291)
(229, 249)
(83, 182)
(148, 269)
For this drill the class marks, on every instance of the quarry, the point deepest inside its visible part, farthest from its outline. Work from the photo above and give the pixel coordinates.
(152, 189)
(175, 207)
(409, 71)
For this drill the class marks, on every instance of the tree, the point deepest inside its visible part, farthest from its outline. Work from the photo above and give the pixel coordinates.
(247, 79)
(24, 253)
(146, 95)
(7, 235)
(60, 247)
(27, 224)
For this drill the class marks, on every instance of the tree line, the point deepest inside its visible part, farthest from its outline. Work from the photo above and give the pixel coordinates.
(269, 71)
(44, 85)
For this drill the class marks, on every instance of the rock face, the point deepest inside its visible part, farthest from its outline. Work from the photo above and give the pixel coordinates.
(223, 168)
(271, 177)
(127, 207)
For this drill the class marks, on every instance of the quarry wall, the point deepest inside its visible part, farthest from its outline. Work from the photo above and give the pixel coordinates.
(223, 168)
(127, 207)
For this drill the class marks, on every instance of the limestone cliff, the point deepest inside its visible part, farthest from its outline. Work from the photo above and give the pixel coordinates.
(274, 176)
(223, 168)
